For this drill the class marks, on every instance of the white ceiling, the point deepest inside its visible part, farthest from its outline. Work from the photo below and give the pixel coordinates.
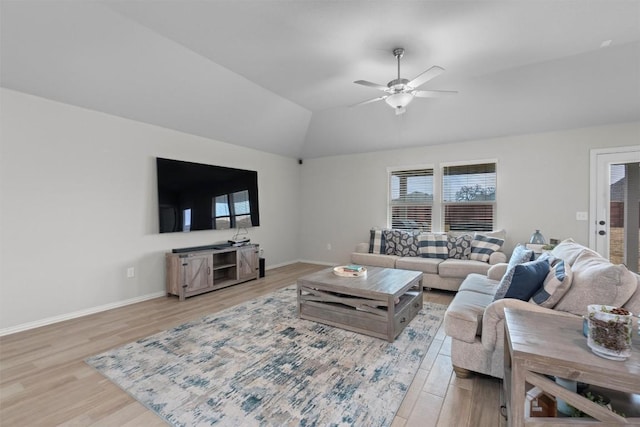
(278, 75)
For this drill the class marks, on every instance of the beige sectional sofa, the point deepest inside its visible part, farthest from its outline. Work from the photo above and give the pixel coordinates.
(475, 322)
(438, 273)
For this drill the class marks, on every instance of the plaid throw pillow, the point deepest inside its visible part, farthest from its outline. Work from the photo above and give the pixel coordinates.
(433, 245)
(483, 246)
(377, 243)
(555, 285)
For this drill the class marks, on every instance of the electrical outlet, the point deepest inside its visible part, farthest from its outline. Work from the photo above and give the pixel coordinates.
(328, 246)
(131, 272)
(582, 216)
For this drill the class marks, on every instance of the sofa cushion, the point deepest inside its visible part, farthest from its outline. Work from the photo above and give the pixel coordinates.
(433, 245)
(461, 268)
(377, 243)
(463, 318)
(483, 246)
(555, 285)
(597, 281)
(479, 283)
(568, 250)
(520, 255)
(527, 279)
(633, 305)
(426, 265)
(459, 246)
(376, 260)
(401, 242)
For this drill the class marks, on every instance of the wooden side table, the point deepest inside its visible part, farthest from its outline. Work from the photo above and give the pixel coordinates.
(540, 343)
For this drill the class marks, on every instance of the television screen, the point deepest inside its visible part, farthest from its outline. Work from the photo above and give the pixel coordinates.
(195, 196)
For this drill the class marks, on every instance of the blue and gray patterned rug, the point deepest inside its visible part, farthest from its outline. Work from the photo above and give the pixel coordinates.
(258, 364)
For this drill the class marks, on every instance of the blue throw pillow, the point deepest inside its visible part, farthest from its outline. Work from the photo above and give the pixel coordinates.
(527, 279)
(520, 254)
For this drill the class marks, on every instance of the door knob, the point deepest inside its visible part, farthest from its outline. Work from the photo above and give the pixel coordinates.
(601, 222)
(602, 232)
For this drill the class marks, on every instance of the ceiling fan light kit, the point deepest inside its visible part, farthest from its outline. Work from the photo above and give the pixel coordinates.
(402, 91)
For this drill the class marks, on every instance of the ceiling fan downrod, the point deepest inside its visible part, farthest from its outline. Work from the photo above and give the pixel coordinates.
(398, 52)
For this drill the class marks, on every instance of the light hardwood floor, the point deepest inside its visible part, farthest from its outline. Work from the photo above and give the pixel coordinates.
(45, 382)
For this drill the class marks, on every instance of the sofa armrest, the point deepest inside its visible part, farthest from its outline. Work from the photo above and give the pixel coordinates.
(497, 271)
(362, 248)
(497, 257)
(493, 319)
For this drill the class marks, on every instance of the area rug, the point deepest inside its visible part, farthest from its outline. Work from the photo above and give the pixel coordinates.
(258, 364)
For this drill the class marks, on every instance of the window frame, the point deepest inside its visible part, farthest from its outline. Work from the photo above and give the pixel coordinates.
(438, 205)
(390, 205)
(443, 204)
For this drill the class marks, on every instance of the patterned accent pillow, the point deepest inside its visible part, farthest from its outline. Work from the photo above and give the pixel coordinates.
(377, 244)
(555, 285)
(459, 246)
(433, 245)
(401, 242)
(520, 255)
(483, 246)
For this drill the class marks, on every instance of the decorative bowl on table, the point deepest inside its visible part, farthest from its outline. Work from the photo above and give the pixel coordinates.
(350, 271)
(610, 330)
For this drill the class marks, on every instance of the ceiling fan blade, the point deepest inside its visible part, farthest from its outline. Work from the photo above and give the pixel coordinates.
(432, 72)
(374, 85)
(433, 93)
(369, 101)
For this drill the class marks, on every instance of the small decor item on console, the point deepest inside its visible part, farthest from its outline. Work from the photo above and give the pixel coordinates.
(610, 330)
(240, 238)
(537, 238)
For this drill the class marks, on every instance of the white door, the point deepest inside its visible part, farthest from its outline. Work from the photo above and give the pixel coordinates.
(615, 190)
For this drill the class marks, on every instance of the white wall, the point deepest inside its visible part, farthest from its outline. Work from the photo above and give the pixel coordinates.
(78, 200)
(79, 205)
(543, 180)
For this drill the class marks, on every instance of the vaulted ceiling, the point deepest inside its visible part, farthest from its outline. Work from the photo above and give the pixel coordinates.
(278, 76)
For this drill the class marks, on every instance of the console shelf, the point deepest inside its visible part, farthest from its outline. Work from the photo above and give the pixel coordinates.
(194, 272)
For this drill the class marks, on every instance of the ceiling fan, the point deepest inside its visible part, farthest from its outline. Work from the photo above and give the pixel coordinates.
(400, 92)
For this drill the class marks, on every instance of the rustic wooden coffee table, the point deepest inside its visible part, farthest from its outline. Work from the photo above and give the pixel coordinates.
(380, 303)
(542, 343)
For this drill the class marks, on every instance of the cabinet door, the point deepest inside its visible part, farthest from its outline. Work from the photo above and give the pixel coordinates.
(248, 262)
(196, 270)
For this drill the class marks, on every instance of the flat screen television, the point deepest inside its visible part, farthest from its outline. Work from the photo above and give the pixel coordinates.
(195, 196)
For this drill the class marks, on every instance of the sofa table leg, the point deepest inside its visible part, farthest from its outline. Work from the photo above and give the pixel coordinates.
(462, 373)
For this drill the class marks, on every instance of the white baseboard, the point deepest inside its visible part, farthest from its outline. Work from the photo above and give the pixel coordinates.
(76, 314)
(328, 264)
(98, 309)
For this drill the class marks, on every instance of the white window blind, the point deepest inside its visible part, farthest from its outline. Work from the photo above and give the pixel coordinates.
(411, 199)
(469, 197)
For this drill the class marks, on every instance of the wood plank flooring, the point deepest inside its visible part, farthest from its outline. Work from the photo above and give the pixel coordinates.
(45, 382)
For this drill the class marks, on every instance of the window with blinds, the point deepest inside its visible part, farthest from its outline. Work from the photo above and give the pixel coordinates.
(411, 199)
(469, 197)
